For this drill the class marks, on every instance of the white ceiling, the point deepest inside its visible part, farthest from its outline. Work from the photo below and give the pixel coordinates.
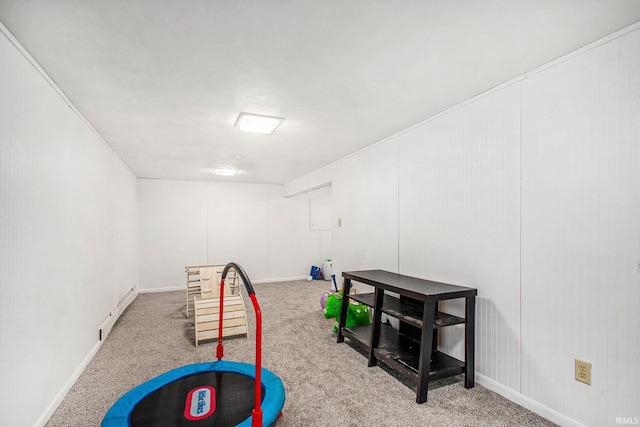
(163, 81)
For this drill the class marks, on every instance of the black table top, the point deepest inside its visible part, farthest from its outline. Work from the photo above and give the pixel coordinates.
(420, 289)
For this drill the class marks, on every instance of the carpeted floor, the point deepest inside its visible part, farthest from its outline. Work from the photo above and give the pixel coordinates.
(327, 384)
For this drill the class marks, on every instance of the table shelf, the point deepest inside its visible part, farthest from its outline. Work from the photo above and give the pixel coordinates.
(408, 311)
(402, 353)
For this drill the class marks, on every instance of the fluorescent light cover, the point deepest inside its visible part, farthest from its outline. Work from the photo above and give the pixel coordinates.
(225, 171)
(257, 123)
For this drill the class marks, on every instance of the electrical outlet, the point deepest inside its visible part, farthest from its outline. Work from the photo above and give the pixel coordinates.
(583, 371)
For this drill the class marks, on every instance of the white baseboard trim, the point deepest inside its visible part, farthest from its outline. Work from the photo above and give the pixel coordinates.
(282, 279)
(113, 317)
(104, 330)
(167, 289)
(182, 287)
(526, 402)
(48, 412)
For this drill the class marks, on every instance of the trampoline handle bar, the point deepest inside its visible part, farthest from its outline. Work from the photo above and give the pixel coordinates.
(241, 273)
(250, 291)
(257, 410)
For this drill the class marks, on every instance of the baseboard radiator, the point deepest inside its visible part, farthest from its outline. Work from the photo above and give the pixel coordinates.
(111, 319)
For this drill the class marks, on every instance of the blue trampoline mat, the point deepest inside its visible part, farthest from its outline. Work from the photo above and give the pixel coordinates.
(208, 394)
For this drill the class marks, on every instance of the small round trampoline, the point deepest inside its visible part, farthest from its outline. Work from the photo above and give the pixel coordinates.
(212, 394)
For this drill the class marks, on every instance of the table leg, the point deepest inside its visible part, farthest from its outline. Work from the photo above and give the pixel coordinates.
(346, 284)
(469, 342)
(426, 344)
(376, 327)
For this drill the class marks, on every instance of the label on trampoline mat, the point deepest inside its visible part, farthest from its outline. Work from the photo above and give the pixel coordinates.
(200, 403)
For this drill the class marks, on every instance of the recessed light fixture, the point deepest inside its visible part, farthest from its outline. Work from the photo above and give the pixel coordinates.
(225, 171)
(257, 123)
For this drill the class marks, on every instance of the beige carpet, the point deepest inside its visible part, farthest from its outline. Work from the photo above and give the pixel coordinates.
(327, 384)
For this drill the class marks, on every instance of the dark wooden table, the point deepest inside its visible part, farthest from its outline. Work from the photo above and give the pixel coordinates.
(411, 350)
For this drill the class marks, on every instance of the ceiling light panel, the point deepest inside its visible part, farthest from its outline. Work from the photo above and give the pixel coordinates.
(257, 123)
(225, 171)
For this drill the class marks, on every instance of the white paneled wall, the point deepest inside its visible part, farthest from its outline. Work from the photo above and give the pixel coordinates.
(459, 220)
(173, 230)
(239, 227)
(190, 223)
(293, 246)
(367, 191)
(581, 232)
(530, 193)
(320, 220)
(69, 245)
